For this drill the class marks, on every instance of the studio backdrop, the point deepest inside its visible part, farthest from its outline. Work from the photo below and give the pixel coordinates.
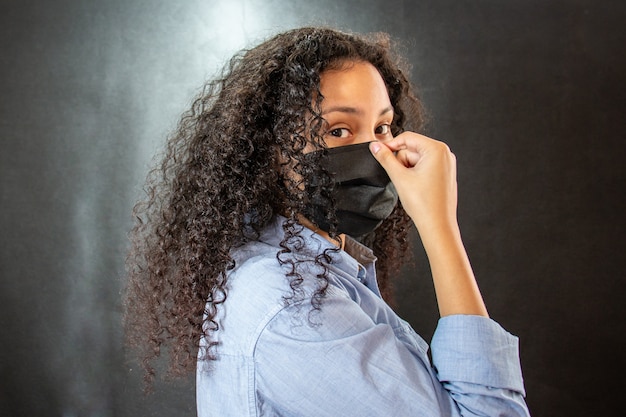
(529, 94)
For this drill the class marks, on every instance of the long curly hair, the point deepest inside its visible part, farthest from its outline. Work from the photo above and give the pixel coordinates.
(233, 164)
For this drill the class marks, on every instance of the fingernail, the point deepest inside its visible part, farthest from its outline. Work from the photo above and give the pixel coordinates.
(374, 147)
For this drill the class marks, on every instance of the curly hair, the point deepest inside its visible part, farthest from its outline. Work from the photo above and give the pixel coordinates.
(228, 170)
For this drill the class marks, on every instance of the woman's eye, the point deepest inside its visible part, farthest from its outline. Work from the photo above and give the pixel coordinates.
(383, 129)
(339, 132)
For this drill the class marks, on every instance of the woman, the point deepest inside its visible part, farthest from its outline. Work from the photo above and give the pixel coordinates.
(251, 259)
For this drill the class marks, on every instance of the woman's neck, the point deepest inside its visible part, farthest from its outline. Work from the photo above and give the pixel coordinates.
(338, 241)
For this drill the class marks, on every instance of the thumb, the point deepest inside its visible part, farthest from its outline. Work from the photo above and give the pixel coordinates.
(385, 157)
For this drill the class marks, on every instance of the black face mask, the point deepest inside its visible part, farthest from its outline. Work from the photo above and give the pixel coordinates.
(363, 192)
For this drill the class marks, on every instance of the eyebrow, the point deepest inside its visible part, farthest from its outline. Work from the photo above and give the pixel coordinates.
(353, 110)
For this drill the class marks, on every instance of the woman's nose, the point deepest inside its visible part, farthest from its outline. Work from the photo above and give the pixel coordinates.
(365, 137)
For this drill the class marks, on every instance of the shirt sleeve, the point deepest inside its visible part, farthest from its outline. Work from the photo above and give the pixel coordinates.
(477, 363)
(338, 361)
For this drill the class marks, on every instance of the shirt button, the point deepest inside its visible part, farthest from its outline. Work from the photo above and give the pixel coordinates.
(360, 274)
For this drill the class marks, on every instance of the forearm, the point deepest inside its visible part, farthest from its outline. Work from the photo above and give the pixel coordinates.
(455, 285)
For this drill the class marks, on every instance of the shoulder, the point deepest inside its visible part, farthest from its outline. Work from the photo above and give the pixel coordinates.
(257, 290)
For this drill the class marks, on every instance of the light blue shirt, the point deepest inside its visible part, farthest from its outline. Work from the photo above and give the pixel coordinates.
(354, 356)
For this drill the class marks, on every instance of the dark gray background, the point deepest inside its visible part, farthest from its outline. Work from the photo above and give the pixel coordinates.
(529, 94)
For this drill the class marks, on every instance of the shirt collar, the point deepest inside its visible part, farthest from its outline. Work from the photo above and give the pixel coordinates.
(356, 260)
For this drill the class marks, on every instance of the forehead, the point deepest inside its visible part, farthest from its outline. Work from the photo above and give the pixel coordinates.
(354, 82)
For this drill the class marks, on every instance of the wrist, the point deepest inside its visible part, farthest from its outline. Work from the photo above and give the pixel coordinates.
(436, 229)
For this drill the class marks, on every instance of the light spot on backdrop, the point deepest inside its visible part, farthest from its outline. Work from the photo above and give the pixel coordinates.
(141, 66)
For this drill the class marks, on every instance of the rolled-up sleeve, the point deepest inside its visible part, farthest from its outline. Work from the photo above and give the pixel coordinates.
(477, 362)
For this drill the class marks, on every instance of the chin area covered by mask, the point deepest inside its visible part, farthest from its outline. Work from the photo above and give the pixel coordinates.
(363, 192)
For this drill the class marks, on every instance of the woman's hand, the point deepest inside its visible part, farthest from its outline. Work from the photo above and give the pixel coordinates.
(423, 171)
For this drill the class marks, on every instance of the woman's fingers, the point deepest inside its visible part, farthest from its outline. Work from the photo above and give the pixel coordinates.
(424, 173)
